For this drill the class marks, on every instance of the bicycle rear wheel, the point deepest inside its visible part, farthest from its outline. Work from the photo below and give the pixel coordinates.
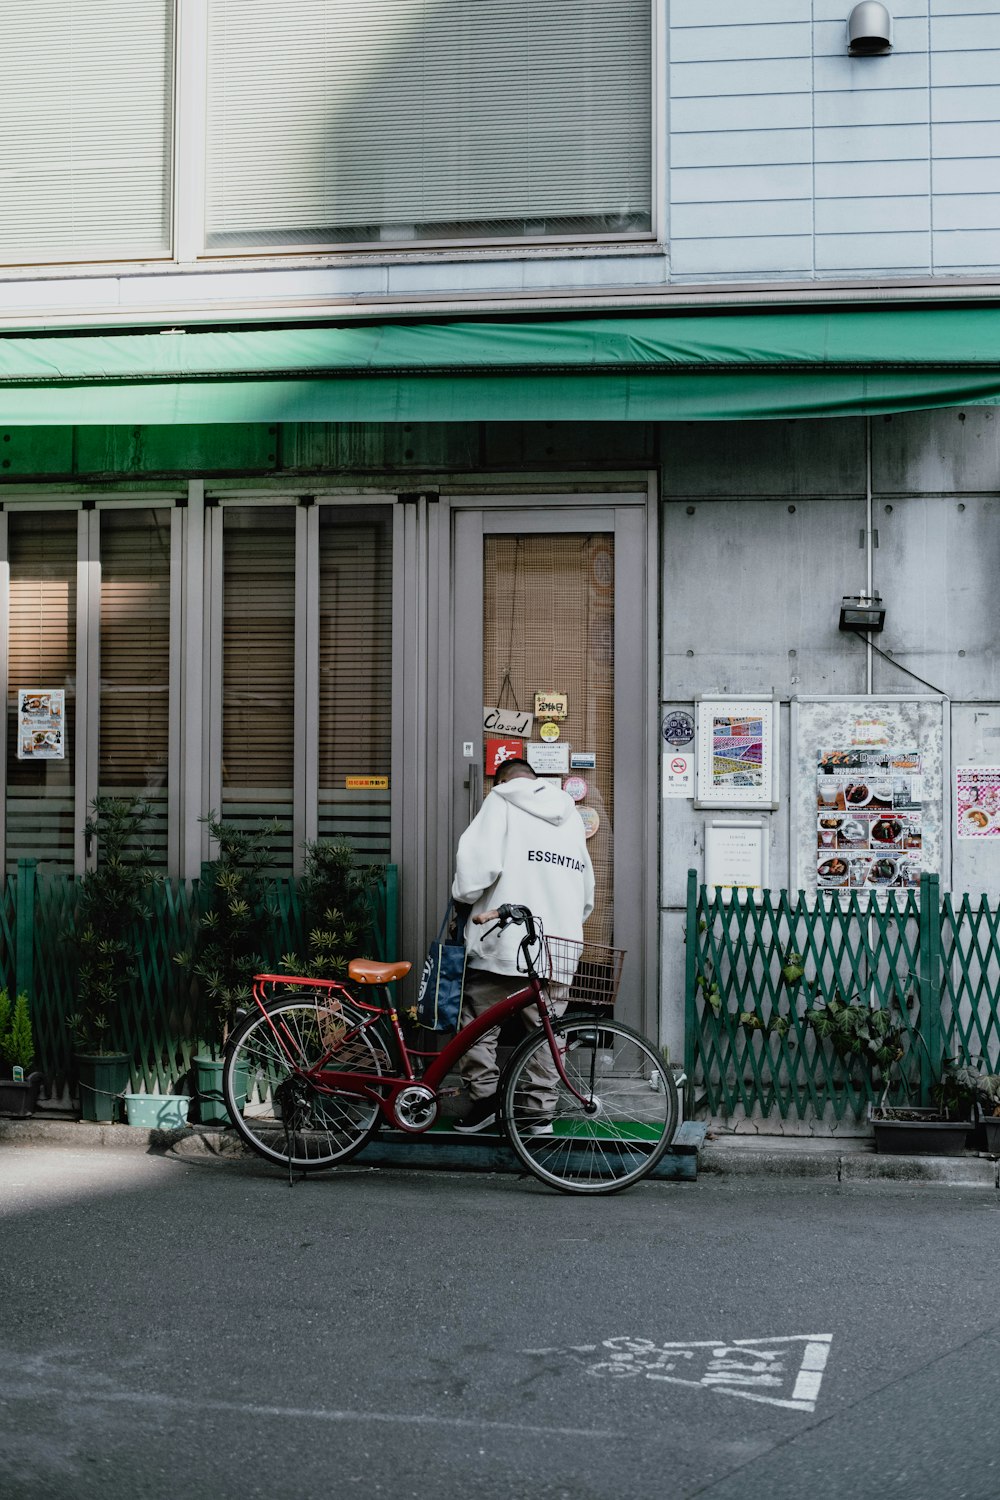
(278, 1112)
(621, 1129)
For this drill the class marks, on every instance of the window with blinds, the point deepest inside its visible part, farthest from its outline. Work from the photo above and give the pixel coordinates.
(86, 97)
(355, 679)
(135, 661)
(258, 671)
(42, 654)
(395, 120)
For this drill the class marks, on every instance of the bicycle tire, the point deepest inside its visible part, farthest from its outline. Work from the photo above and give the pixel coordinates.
(278, 1113)
(617, 1070)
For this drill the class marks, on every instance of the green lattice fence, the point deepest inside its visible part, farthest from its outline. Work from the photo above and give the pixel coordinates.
(751, 1053)
(36, 955)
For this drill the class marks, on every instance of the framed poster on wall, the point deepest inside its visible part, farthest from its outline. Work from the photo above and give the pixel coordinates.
(869, 777)
(736, 742)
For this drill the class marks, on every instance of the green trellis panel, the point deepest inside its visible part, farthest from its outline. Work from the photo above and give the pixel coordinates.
(36, 918)
(748, 1047)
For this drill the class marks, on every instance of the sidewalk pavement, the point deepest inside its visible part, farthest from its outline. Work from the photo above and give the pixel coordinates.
(699, 1150)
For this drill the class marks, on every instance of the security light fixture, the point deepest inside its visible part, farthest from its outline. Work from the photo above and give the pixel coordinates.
(869, 30)
(862, 612)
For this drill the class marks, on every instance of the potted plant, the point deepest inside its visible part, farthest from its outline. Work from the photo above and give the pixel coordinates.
(335, 896)
(19, 1086)
(873, 1038)
(237, 912)
(111, 906)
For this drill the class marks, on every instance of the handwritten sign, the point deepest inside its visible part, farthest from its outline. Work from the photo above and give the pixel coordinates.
(507, 721)
(551, 705)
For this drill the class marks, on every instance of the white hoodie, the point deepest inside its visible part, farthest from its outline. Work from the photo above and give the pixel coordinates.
(526, 846)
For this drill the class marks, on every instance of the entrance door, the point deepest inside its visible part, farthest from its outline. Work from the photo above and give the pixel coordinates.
(553, 602)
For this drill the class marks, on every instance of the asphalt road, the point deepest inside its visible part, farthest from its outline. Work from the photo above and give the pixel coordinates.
(198, 1329)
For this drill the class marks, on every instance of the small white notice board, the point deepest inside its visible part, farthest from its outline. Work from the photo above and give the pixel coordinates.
(736, 854)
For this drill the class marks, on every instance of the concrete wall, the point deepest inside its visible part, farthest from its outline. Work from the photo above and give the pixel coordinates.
(764, 530)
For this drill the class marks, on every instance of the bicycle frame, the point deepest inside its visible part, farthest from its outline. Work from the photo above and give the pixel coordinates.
(383, 1089)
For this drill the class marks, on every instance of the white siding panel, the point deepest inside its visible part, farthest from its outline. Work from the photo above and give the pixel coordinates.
(858, 143)
(874, 215)
(963, 7)
(743, 257)
(967, 210)
(722, 148)
(834, 10)
(847, 179)
(981, 103)
(886, 107)
(738, 184)
(966, 250)
(897, 71)
(732, 12)
(980, 139)
(958, 33)
(692, 221)
(782, 76)
(741, 112)
(966, 69)
(724, 43)
(970, 174)
(872, 252)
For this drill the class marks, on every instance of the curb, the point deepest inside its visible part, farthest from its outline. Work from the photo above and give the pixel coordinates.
(689, 1157)
(859, 1166)
(439, 1150)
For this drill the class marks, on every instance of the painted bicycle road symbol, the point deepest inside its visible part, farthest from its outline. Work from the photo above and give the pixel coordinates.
(785, 1371)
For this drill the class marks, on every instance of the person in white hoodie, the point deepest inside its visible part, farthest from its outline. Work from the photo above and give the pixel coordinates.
(525, 846)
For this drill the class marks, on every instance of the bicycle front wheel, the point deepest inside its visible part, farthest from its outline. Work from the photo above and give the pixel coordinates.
(615, 1132)
(278, 1112)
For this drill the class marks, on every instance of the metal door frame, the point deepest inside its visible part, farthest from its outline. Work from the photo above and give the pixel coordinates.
(439, 667)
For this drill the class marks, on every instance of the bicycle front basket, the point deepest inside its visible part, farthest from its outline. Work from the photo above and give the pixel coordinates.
(592, 971)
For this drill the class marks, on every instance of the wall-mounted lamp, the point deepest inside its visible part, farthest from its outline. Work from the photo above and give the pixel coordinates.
(862, 612)
(869, 30)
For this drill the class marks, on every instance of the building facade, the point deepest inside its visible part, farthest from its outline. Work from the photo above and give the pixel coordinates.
(370, 369)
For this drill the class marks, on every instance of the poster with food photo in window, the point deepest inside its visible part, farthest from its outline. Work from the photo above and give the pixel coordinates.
(41, 716)
(869, 811)
(977, 802)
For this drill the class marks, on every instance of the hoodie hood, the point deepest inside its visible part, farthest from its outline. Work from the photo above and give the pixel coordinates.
(539, 798)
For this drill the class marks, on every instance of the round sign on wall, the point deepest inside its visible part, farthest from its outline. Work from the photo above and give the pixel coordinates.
(549, 731)
(678, 728)
(591, 820)
(576, 787)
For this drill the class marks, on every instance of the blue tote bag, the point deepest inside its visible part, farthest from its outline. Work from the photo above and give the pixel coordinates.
(439, 1001)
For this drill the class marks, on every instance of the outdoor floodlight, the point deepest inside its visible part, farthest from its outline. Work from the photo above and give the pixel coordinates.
(869, 30)
(862, 612)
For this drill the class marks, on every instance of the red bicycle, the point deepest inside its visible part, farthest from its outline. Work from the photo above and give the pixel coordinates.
(312, 1072)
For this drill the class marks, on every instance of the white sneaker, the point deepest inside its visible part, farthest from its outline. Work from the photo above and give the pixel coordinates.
(539, 1127)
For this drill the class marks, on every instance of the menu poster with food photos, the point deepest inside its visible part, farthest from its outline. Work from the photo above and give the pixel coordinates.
(869, 818)
(977, 807)
(41, 718)
(869, 809)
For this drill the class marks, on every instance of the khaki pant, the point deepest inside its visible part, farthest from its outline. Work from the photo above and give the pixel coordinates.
(478, 1066)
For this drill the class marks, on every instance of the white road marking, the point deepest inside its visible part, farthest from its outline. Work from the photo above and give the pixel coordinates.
(786, 1371)
(32, 1392)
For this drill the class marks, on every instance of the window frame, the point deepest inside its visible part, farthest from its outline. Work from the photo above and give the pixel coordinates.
(190, 174)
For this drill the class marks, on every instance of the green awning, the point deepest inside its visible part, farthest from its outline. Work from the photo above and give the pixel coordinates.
(658, 368)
